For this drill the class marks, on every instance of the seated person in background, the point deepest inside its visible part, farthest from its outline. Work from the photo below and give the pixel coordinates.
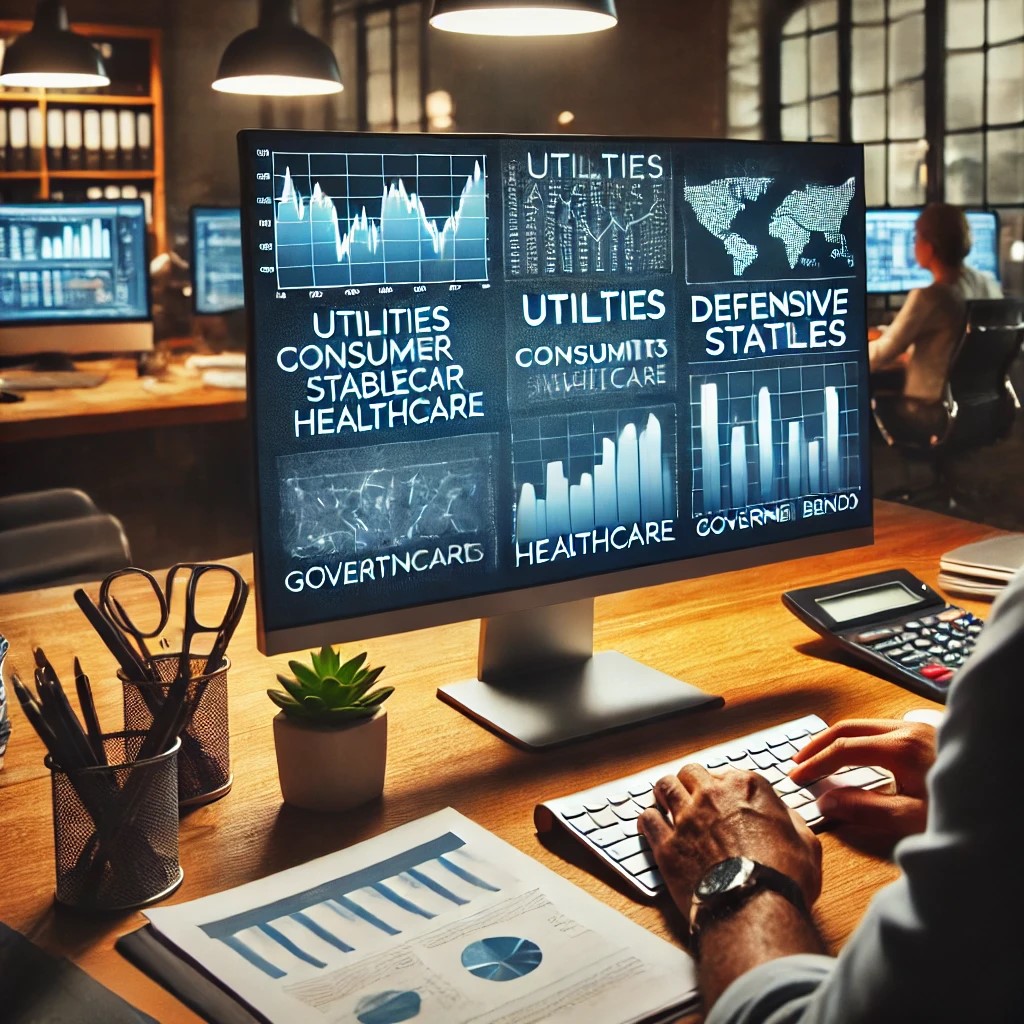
(943, 942)
(932, 319)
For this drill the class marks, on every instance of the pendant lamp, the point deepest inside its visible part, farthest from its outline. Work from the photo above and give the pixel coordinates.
(278, 58)
(51, 56)
(523, 17)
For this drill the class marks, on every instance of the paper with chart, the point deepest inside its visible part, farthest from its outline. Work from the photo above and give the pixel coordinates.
(437, 922)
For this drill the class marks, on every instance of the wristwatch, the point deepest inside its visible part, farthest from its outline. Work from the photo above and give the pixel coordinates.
(729, 884)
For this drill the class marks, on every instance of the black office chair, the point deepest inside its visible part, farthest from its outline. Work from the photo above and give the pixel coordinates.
(57, 536)
(978, 405)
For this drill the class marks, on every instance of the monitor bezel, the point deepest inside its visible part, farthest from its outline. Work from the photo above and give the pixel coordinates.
(916, 210)
(509, 600)
(193, 212)
(51, 322)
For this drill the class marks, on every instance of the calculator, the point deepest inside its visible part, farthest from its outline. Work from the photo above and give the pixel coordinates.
(894, 622)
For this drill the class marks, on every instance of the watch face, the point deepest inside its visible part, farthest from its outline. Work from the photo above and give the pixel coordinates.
(725, 876)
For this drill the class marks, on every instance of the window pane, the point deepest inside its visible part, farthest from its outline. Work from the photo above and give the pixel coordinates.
(906, 111)
(867, 117)
(794, 123)
(744, 47)
(1006, 84)
(744, 107)
(866, 11)
(825, 120)
(410, 103)
(965, 77)
(867, 54)
(794, 69)
(823, 13)
(378, 43)
(898, 7)
(874, 175)
(906, 49)
(1005, 20)
(965, 24)
(797, 22)
(824, 64)
(1006, 166)
(379, 109)
(964, 174)
(906, 180)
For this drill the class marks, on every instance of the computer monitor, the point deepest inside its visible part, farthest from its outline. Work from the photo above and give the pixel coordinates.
(499, 376)
(892, 267)
(216, 259)
(74, 279)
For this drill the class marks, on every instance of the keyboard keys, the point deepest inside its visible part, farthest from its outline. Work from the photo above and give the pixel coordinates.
(652, 879)
(796, 799)
(627, 847)
(608, 836)
(639, 862)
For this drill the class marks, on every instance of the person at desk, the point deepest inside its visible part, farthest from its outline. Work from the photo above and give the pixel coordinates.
(932, 319)
(942, 943)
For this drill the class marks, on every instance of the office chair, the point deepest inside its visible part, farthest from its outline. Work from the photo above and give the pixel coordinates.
(57, 536)
(978, 405)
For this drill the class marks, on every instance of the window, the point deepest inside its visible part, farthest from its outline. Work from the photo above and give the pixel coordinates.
(809, 81)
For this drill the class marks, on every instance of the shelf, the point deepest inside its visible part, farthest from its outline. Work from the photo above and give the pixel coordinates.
(105, 174)
(77, 99)
(20, 175)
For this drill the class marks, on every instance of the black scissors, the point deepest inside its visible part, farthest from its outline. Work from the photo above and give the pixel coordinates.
(120, 586)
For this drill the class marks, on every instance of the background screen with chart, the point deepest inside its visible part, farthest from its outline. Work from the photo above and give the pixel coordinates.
(216, 242)
(482, 364)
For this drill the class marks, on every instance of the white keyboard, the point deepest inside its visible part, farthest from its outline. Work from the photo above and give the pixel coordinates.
(603, 818)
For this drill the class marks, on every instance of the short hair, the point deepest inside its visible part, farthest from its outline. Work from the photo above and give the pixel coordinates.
(945, 228)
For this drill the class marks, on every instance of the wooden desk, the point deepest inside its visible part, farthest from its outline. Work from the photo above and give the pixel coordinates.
(122, 402)
(730, 635)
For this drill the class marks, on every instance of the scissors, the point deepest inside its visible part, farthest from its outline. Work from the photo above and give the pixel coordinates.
(116, 614)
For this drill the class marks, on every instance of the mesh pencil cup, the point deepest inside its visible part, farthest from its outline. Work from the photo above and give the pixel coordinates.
(115, 828)
(204, 764)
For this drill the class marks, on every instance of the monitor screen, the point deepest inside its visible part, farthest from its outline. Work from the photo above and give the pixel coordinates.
(490, 373)
(890, 249)
(74, 278)
(216, 259)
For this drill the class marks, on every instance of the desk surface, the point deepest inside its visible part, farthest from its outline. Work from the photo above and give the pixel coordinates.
(731, 636)
(122, 402)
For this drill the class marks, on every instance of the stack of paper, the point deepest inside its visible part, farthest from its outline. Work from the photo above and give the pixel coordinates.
(982, 569)
(437, 922)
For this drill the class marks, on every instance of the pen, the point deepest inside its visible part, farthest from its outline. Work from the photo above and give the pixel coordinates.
(34, 715)
(114, 641)
(92, 722)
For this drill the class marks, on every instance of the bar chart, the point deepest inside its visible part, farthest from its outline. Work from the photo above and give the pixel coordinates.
(374, 219)
(763, 436)
(586, 470)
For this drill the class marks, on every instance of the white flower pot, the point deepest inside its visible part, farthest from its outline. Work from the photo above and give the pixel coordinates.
(331, 769)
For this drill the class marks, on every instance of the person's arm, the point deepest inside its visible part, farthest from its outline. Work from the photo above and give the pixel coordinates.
(912, 318)
(717, 816)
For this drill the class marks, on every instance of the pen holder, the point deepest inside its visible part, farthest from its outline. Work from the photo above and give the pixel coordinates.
(115, 828)
(204, 764)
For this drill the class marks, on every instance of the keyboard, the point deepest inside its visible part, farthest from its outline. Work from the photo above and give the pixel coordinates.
(603, 818)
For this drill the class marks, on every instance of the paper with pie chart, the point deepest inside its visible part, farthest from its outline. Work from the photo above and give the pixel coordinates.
(436, 922)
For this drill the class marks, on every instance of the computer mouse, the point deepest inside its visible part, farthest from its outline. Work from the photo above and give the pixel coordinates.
(930, 716)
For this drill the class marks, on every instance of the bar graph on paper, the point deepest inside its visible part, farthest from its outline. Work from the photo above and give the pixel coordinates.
(770, 435)
(581, 471)
(352, 219)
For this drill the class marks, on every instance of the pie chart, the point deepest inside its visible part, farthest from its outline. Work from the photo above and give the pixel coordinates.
(502, 958)
(388, 1008)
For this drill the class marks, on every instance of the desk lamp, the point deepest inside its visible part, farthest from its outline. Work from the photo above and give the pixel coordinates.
(524, 17)
(278, 58)
(51, 56)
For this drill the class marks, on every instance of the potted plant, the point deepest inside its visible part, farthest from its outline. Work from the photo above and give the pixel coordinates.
(331, 734)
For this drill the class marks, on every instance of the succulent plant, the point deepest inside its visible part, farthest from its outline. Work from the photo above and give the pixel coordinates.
(328, 692)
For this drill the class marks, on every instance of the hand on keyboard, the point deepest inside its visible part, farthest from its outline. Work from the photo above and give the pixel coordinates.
(729, 814)
(907, 749)
(604, 818)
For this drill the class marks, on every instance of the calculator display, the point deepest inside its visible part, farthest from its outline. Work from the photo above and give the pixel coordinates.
(860, 603)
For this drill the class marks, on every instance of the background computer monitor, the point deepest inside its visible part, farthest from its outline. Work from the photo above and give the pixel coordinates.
(890, 249)
(493, 375)
(216, 259)
(74, 278)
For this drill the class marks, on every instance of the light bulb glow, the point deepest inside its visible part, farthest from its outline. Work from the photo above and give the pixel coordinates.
(53, 80)
(277, 85)
(523, 21)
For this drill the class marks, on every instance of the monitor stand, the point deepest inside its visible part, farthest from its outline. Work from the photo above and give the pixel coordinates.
(541, 684)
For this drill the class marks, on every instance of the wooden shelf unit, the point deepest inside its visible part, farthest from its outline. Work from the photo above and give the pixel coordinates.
(42, 99)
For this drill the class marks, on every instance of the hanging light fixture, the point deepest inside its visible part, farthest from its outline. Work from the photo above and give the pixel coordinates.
(524, 17)
(51, 56)
(278, 58)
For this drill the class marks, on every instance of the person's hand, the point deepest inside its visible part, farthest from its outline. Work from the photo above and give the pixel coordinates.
(907, 749)
(729, 814)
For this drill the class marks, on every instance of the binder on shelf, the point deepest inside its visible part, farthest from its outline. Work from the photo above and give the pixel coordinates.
(112, 192)
(109, 154)
(91, 137)
(35, 138)
(17, 138)
(74, 158)
(3, 138)
(144, 138)
(55, 139)
(126, 138)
